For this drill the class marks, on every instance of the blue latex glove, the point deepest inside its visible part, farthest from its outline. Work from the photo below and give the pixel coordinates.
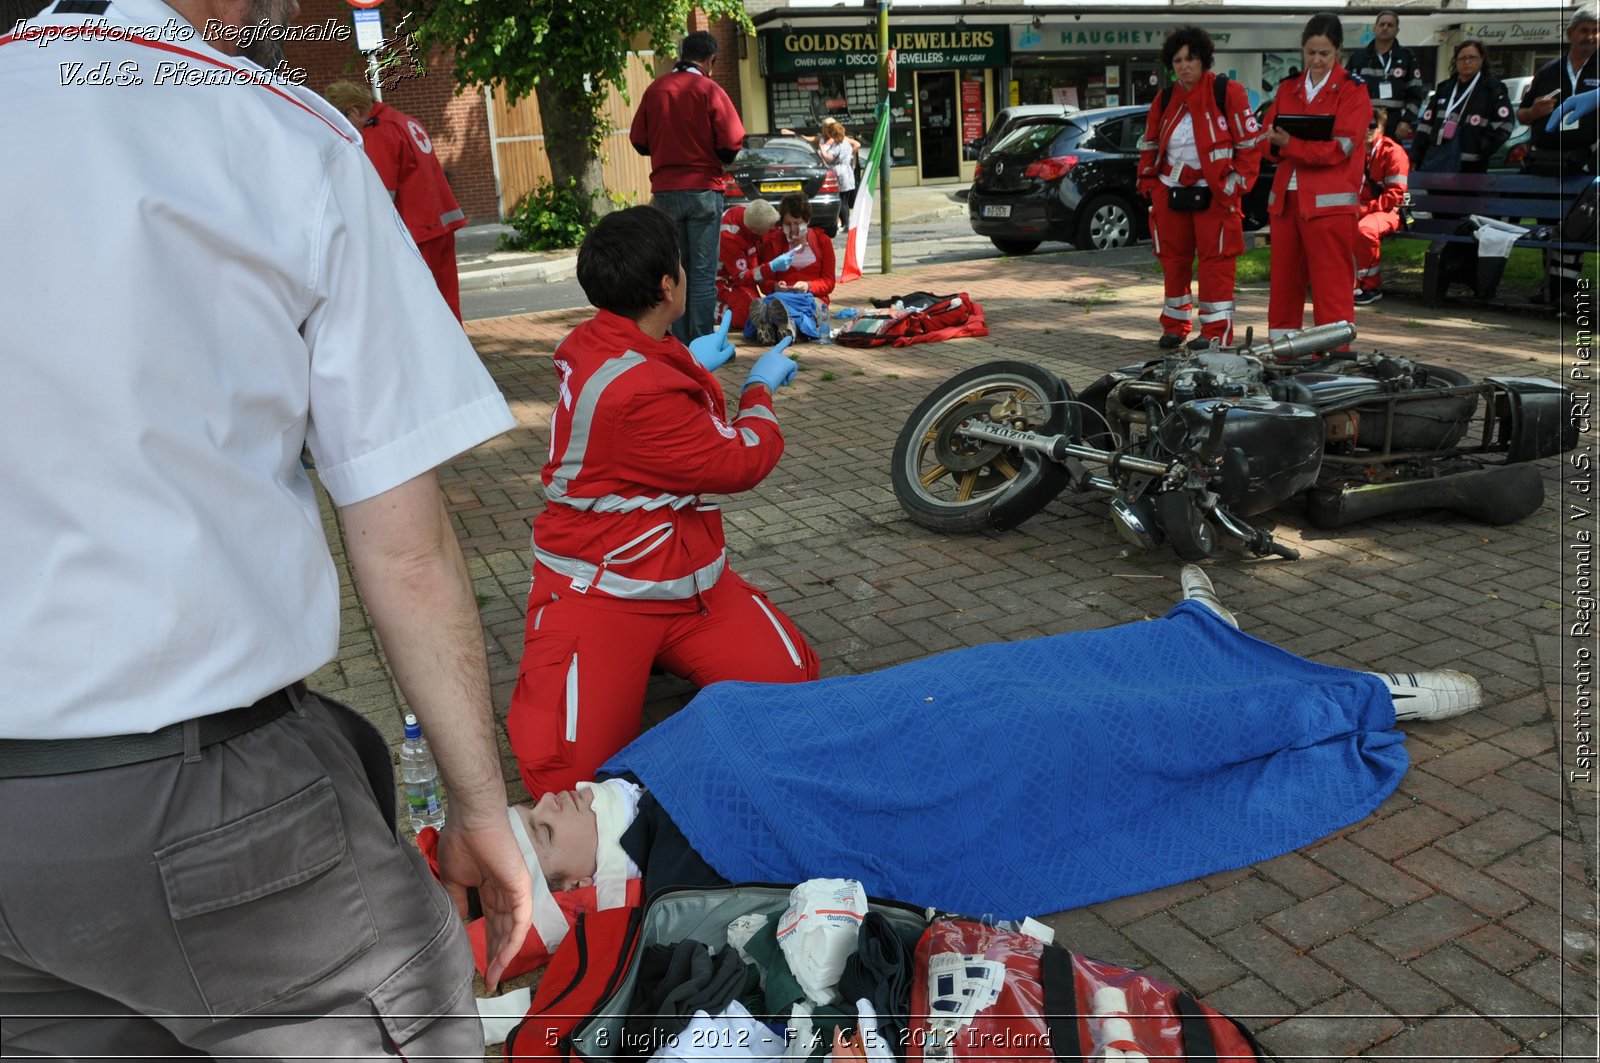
(713, 349)
(775, 368)
(781, 263)
(1574, 107)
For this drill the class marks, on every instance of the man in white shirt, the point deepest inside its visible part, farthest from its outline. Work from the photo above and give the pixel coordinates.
(208, 277)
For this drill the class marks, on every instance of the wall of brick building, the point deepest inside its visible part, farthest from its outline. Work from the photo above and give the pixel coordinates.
(457, 124)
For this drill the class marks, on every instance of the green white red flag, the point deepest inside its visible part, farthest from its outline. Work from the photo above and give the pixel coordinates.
(855, 247)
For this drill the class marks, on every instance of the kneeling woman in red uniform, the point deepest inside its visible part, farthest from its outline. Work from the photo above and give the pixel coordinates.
(740, 269)
(1198, 158)
(630, 569)
(1314, 193)
(812, 268)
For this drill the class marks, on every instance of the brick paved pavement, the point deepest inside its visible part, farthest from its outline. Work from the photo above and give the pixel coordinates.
(1457, 922)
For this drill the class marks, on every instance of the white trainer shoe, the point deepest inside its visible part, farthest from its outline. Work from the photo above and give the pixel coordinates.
(1197, 588)
(1436, 695)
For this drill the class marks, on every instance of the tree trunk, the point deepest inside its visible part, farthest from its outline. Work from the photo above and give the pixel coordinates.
(569, 128)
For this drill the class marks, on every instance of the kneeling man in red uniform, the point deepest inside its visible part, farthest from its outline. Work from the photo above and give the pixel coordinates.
(402, 153)
(1383, 189)
(740, 269)
(630, 569)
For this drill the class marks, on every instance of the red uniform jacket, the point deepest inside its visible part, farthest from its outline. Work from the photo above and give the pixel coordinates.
(1229, 144)
(1328, 171)
(403, 155)
(689, 128)
(639, 433)
(1388, 173)
(739, 264)
(820, 275)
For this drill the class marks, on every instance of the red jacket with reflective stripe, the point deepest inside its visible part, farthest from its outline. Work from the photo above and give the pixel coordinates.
(1229, 144)
(1328, 171)
(403, 155)
(638, 434)
(739, 253)
(1388, 174)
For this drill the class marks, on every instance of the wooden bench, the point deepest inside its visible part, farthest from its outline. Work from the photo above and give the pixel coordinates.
(1440, 202)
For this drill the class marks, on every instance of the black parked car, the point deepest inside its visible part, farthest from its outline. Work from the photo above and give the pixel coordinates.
(770, 167)
(1071, 178)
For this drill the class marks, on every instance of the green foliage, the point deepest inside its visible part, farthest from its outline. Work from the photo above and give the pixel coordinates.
(580, 45)
(549, 217)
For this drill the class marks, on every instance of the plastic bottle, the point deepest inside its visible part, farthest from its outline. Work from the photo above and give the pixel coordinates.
(420, 777)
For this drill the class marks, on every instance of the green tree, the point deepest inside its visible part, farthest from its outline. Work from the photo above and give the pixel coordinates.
(566, 53)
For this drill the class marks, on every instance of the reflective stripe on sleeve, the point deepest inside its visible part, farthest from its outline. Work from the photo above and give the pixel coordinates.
(452, 215)
(1398, 179)
(1336, 199)
(1218, 154)
(758, 412)
(1345, 144)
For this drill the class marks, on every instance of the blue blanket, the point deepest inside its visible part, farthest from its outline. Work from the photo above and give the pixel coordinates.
(1029, 777)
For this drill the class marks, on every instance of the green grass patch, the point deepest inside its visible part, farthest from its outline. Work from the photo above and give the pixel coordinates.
(830, 376)
(1402, 261)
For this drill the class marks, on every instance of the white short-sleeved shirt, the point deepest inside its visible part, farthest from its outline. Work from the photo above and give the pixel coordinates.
(195, 280)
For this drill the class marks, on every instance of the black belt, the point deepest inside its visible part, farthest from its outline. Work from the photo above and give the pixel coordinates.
(23, 758)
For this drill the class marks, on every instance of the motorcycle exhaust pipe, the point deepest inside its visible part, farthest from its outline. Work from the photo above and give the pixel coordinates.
(1501, 494)
(1306, 342)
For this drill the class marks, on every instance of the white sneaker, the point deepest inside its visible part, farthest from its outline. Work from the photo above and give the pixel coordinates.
(1197, 588)
(1436, 695)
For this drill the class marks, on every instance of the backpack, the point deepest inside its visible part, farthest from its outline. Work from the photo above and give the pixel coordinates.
(920, 317)
(585, 971)
(1219, 84)
(980, 992)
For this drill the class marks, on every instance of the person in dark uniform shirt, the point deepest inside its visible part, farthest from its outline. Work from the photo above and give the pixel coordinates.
(1393, 76)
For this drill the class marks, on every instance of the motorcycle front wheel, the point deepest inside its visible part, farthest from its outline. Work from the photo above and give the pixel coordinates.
(948, 483)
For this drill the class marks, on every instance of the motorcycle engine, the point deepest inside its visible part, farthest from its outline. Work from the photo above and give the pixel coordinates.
(1214, 375)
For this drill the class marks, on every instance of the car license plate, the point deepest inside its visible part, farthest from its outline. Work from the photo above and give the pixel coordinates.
(997, 210)
(780, 186)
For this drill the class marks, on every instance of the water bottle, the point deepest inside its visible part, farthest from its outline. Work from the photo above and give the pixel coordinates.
(420, 777)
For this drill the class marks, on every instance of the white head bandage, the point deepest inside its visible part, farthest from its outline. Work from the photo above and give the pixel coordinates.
(616, 803)
(549, 921)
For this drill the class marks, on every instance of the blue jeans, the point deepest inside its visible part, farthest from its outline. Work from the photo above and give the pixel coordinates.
(698, 216)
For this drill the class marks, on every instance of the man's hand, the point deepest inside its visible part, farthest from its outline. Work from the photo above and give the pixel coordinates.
(1403, 131)
(485, 856)
(775, 368)
(411, 574)
(713, 349)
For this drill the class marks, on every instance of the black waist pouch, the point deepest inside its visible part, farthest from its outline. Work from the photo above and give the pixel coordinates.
(1188, 197)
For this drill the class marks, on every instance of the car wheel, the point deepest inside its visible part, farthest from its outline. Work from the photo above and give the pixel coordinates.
(1105, 222)
(1014, 247)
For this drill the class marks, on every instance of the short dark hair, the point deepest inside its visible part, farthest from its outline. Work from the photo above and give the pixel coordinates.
(795, 205)
(1392, 14)
(1197, 40)
(1472, 42)
(622, 260)
(697, 47)
(1327, 25)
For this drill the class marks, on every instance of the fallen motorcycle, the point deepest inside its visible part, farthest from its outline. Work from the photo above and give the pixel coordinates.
(1189, 446)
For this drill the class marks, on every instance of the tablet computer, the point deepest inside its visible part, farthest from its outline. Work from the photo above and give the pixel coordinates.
(1306, 126)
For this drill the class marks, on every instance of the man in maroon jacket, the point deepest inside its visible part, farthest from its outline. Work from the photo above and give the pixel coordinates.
(402, 153)
(689, 128)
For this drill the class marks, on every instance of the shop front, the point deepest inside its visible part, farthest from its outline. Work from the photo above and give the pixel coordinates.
(944, 96)
(1516, 47)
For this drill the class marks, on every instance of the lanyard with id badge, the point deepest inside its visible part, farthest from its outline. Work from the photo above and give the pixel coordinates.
(1452, 112)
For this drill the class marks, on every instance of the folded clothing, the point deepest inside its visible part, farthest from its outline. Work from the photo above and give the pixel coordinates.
(674, 982)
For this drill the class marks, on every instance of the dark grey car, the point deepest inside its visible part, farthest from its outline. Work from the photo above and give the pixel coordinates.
(770, 167)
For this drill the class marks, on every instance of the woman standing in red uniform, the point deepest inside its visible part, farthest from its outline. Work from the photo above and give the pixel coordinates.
(1314, 198)
(1198, 158)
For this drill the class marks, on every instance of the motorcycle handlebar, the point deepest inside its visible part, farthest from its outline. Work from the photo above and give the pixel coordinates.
(1314, 340)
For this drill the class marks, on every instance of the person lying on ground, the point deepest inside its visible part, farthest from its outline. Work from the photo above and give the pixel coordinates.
(1016, 779)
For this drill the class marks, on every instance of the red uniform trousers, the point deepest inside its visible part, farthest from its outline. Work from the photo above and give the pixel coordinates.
(1216, 234)
(1317, 250)
(1370, 231)
(580, 689)
(736, 298)
(440, 256)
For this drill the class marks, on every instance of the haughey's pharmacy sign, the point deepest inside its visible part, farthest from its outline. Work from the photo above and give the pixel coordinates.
(785, 53)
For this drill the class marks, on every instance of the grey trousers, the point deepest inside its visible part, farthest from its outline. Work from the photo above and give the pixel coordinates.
(252, 899)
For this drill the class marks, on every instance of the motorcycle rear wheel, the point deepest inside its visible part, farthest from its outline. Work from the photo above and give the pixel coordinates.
(946, 483)
(1191, 536)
